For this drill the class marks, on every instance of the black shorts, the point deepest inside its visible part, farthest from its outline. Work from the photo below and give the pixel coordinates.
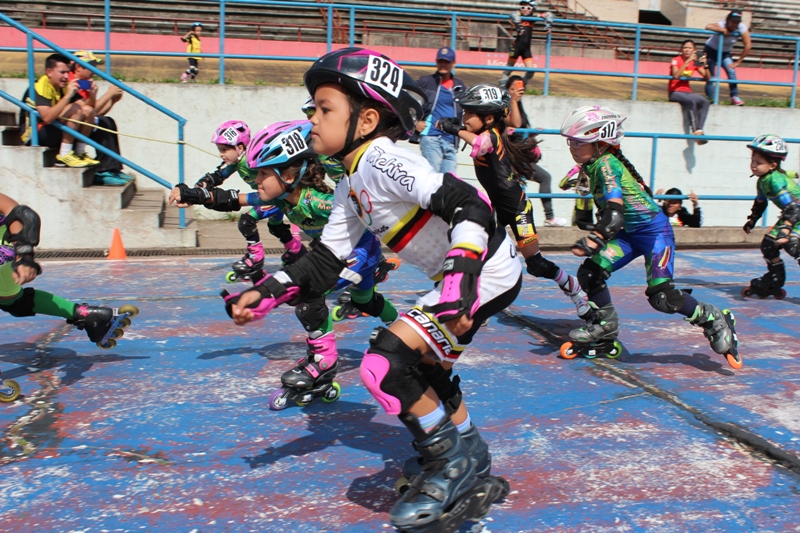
(521, 48)
(49, 136)
(193, 62)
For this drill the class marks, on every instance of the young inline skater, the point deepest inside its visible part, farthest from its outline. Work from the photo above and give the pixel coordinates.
(193, 46)
(521, 45)
(366, 102)
(501, 166)
(291, 178)
(779, 187)
(19, 235)
(631, 224)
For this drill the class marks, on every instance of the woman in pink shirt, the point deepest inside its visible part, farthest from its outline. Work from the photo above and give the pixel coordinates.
(684, 66)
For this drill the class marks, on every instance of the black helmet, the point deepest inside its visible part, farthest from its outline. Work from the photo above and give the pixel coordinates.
(486, 99)
(374, 76)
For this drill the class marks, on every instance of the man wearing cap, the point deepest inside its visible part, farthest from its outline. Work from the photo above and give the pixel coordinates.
(731, 29)
(442, 88)
(109, 170)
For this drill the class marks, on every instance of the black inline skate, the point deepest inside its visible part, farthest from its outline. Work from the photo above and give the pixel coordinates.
(597, 337)
(311, 378)
(770, 284)
(718, 327)
(250, 267)
(9, 390)
(447, 492)
(103, 325)
(345, 308)
(384, 267)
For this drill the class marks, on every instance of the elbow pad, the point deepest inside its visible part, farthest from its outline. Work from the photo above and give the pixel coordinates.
(791, 214)
(31, 227)
(457, 201)
(225, 200)
(611, 220)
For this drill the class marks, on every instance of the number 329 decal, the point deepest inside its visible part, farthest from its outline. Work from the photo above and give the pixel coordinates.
(385, 75)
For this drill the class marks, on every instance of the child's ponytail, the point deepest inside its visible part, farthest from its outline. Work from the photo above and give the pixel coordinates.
(521, 152)
(617, 152)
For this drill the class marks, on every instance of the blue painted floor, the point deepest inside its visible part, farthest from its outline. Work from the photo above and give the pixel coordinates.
(171, 431)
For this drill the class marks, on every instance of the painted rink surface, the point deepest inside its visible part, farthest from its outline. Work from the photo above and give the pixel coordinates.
(171, 430)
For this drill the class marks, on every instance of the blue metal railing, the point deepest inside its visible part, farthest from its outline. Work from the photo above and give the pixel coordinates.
(452, 17)
(32, 36)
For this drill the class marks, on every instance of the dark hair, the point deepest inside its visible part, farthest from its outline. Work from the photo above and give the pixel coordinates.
(525, 122)
(674, 190)
(54, 59)
(617, 152)
(688, 41)
(313, 177)
(388, 124)
(519, 150)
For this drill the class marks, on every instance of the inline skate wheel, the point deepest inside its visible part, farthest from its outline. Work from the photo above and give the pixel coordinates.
(616, 351)
(230, 277)
(401, 485)
(568, 351)
(332, 394)
(278, 400)
(336, 313)
(110, 343)
(132, 309)
(746, 292)
(10, 391)
(118, 332)
(394, 262)
(781, 296)
(735, 361)
(125, 322)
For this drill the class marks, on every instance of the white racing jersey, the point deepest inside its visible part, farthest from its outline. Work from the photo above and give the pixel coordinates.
(389, 191)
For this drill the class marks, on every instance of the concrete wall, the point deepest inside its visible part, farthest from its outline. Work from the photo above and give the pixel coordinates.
(716, 168)
(610, 10)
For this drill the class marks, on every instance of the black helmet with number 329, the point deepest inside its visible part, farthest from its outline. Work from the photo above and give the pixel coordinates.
(486, 99)
(374, 76)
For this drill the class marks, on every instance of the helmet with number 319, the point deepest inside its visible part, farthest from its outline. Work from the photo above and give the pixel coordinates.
(770, 145)
(486, 99)
(594, 123)
(374, 76)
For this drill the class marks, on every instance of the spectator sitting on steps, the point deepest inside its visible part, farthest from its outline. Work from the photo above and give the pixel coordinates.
(679, 215)
(109, 171)
(57, 98)
(695, 105)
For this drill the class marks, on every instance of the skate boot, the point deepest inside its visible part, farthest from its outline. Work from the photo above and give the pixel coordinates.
(346, 308)
(249, 267)
(578, 297)
(447, 492)
(597, 337)
(477, 449)
(312, 377)
(718, 327)
(103, 325)
(9, 390)
(384, 267)
(770, 284)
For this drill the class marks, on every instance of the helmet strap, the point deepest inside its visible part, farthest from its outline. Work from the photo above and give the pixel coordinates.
(290, 186)
(351, 143)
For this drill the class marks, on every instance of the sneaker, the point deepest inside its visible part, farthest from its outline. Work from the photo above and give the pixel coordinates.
(110, 179)
(735, 100)
(89, 161)
(124, 176)
(555, 222)
(699, 141)
(70, 160)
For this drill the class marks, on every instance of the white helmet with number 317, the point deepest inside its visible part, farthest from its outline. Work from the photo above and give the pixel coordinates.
(594, 123)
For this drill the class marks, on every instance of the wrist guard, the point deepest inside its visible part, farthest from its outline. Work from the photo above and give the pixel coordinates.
(273, 293)
(757, 211)
(460, 294)
(210, 180)
(583, 244)
(225, 200)
(611, 221)
(449, 125)
(193, 195)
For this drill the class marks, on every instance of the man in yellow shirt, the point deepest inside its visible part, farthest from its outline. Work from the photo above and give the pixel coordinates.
(57, 98)
(192, 39)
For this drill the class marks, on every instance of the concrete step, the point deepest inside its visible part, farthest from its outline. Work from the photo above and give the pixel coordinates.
(8, 118)
(148, 208)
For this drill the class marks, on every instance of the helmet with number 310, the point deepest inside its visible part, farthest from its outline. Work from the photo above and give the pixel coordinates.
(770, 145)
(594, 123)
(374, 76)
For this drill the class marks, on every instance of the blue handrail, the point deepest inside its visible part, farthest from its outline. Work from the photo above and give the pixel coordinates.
(31, 36)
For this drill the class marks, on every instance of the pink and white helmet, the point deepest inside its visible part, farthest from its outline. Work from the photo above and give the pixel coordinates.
(594, 123)
(233, 133)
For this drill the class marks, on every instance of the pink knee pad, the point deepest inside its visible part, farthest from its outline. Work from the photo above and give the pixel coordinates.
(374, 369)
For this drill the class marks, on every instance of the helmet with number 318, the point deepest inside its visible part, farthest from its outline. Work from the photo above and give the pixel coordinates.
(594, 123)
(770, 145)
(280, 145)
(374, 76)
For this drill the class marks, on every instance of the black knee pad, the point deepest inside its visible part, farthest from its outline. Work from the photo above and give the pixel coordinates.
(793, 246)
(248, 225)
(312, 314)
(401, 384)
(22, 306)
(592, 277)
(541, 267)
(193, 70)
(665, 297)
(374, 307)
(769, 248)
(446, 389)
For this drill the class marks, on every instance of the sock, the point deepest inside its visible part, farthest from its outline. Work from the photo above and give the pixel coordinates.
(45, 303)
(255, 238)
(430, 420)
(689, 305)
(80, 147)
(562, 278)
(65, 149)
(465, 425)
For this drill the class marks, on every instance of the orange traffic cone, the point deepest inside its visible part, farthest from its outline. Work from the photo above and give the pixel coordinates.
(117, 250)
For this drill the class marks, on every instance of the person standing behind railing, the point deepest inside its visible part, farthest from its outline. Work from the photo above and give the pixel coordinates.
(521, 45)
(731, 28)
(683, 66)
(192, 38)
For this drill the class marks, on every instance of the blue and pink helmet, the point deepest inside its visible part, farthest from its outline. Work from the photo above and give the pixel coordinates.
(233, 133)
(374, 76)
(770, 145)
(280, 146)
